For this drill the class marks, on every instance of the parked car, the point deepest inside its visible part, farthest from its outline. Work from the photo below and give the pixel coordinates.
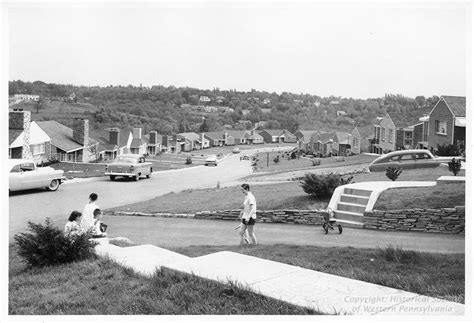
(129, 165)
(245, 157)
(211, 160)
(24, 175)
(405, 159)
(236, 150)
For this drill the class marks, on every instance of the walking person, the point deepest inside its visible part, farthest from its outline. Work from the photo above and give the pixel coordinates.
(87, 221)
(249, 215)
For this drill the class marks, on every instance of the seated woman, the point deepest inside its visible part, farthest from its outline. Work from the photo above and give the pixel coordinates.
(97, 231)
(73, 226)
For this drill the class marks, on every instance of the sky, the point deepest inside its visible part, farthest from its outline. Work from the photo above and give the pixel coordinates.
(349, 50)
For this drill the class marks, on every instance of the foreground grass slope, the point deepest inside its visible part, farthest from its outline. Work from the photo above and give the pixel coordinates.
(103, 287)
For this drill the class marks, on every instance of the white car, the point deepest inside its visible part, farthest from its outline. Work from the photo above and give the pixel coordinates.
(24, 175)
(211, 160)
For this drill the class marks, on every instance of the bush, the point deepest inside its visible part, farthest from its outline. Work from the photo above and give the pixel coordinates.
(448, 150)
(189, 160)
(316, 162)
(322, 185)
(276, 160)
(397, 254)
(47, 245)
(455, 166)
(393, 172)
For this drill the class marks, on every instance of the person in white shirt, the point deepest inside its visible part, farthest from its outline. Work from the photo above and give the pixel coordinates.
(87, 221)
(248, 215)
(73, 227)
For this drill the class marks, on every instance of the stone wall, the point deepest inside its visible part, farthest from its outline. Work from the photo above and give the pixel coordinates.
(312, 217)
(445, 220)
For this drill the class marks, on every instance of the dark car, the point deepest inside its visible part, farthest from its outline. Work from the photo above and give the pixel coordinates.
(405, 159)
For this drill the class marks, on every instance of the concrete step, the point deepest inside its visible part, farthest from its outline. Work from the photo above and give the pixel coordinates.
(356, 199)
(349, 216)
(357, 191)
(351, 207)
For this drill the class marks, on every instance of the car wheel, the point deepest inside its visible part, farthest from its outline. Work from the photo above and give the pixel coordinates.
(340, 228)
(54, 185)
(112, 177)
(136, 178)
(149, 175)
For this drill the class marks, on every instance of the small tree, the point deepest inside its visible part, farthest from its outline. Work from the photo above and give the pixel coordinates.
(448, 150)
(455, 166)
(393, 172)
(47, 245)
(276, 160)
(189, 160)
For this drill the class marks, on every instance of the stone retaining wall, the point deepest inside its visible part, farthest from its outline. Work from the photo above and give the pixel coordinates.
(313, 217)
(445, 220)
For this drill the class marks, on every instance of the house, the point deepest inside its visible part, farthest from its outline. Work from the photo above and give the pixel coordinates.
(26, 97)
(303, 137)
(266, 101)
(420, 133)
(138, 145)
(73, 145)
(194, 141)
(26, 139)
(171, 144)
(245, 112)
(113, 142)
(384, 136)
(153, 143)
(235, 137)
(355, 141)
(253, 138)
(215, 138)
(266, 110)
(324, 144)
(343, 143)
(273, 135)
(204, 98)
(289, 137)
(447, 123)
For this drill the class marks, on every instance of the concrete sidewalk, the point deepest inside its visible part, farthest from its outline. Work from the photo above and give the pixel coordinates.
(322, 292)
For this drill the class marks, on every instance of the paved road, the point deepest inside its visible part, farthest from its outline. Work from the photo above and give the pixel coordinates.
(36, 205)
(179, 232)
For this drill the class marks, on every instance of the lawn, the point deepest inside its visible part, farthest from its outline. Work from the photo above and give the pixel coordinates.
(266, 162)
(439, 196)
(103, 287)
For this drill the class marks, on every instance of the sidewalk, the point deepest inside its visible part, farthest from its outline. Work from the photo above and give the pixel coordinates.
(322, 292)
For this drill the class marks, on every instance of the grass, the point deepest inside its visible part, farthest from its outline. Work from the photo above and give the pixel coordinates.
(427, 174)
(282, 196)
(103, 287)
(289, 165)
(439, 196)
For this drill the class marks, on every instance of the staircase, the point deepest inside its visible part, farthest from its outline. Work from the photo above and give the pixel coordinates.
(351, 206)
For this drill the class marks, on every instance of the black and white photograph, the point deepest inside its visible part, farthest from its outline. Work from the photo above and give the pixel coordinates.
(225, 160)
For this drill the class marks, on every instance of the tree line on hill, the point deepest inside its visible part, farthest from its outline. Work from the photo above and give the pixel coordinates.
(171, 109)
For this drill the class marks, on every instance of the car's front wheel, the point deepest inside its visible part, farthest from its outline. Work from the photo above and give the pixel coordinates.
(54, 185)
(112, 177)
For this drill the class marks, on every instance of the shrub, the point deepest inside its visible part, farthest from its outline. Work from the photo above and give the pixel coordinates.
(322, 185)
(397, 254)
(189, 160)
(393, 172)
(448, 150)
(276, 160)
(455, 166)
(47, 245)
(316, 161)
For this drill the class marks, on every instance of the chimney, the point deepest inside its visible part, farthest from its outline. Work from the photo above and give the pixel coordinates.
(202, 140)
(114, 136)
(80, 131)
(137, 133)
(21, 120)
(153, 137)
(225, 137)
(164, 140)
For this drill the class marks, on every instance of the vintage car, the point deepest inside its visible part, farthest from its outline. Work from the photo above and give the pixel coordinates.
(236, 150)
(129, 165)
(25, 175)
(211, 160)
(405, 159)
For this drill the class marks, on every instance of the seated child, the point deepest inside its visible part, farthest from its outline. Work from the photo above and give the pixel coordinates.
(96, 229)
(73, 226)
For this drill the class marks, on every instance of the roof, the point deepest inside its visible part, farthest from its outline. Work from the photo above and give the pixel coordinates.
(215, 135)
(343, 137)
(137, 142)
(457, 104)
(325, 137)
(273, 132)
(307, 134)
(13, 134)
(237, 133)
(61, 136)
(103, 136)
(190, 135)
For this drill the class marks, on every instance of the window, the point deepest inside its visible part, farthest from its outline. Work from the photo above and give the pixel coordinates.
(407, 157)
(440, 127)
(355, 142)
(383, 134)
(37, 149)
(390, 135)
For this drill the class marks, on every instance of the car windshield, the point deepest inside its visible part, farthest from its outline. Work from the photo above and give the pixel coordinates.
(128, 160)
